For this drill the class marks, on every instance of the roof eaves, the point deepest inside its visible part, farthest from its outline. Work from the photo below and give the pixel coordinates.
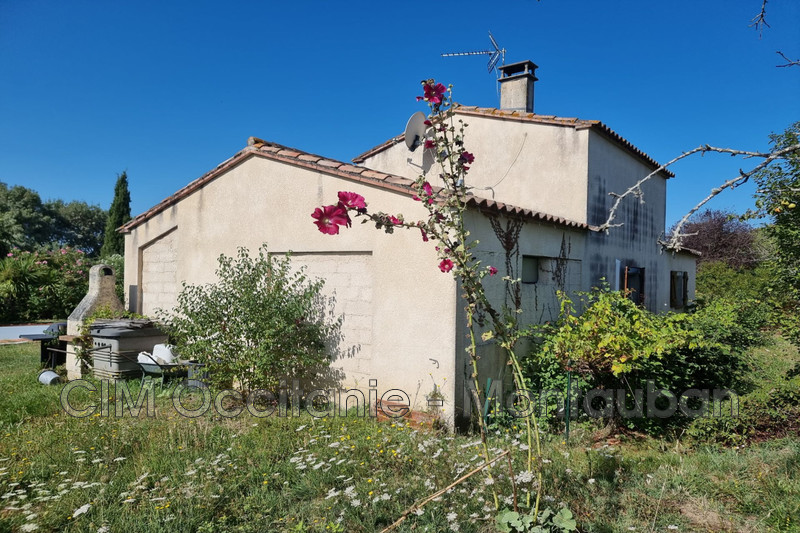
(260, 148)
(185, 191)
(493, 207)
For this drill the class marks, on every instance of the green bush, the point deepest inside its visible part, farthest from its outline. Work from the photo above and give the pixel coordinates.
(616, 345)
(45, 284)
(765, 285)
(262, 321)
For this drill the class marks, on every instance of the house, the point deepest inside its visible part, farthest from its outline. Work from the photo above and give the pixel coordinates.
(542, 179)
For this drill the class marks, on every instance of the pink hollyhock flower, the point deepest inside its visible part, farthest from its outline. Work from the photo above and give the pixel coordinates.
(330, 217)
(394, 220)
(424, 235)
(466, 157)
(446, 265)
(428, 190)
(9, 254)
(427, 122)
(492, 271)
(429, 144)
(434, 93)
(352, 200)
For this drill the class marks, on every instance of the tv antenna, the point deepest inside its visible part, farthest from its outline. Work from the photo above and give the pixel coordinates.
(494, 55)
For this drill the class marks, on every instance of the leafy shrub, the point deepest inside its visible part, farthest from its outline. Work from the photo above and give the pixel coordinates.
(260, 322)
(42, 285)
(613, 336)
(616, 345)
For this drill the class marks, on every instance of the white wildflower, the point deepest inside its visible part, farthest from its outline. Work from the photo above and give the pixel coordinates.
(591, 481)
(524, 477)
(332, 494)
(29, 527)
(355, 503)
(419, 512)
(451, 517)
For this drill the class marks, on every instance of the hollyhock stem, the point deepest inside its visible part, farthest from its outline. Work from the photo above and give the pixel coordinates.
(481, 422)
(530, 419)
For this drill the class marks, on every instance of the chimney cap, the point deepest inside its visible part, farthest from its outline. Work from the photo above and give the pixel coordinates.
(522, 68)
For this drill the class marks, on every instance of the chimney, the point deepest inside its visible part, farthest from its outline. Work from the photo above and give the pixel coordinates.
(516, 86)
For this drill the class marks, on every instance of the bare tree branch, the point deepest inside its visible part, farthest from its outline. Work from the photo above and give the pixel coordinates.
(789, 62)
(636, 189)
(677, 237)
(760, 20)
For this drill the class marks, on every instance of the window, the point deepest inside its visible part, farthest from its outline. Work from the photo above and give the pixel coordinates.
(678, 289)
(530, 269)
(633, 282)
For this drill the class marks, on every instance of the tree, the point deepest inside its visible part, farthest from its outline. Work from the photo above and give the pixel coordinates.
(24, 221)
(722, 236)
(79, 225)
(777, 197)
(118, 214)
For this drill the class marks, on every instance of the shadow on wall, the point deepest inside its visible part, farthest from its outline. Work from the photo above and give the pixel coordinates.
(330, 377)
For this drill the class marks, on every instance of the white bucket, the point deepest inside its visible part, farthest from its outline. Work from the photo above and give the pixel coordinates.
(48, 377)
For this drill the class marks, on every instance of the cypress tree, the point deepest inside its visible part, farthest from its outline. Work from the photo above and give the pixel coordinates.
(118, 214)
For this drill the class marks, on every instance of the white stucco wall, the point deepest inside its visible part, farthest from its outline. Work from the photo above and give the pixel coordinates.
(540, 167)
(408, 302)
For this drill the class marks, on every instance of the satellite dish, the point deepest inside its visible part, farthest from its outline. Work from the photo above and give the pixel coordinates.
(415, 130)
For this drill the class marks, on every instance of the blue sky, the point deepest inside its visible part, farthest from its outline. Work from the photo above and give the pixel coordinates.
(168, 90)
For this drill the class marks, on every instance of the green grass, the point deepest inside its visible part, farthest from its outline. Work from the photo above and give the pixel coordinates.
(170, 473)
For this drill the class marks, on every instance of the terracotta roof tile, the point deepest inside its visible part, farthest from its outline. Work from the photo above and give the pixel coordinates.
(330, 163)
(260, 148)
(485, 204)
(350, 168)
(374, 174)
